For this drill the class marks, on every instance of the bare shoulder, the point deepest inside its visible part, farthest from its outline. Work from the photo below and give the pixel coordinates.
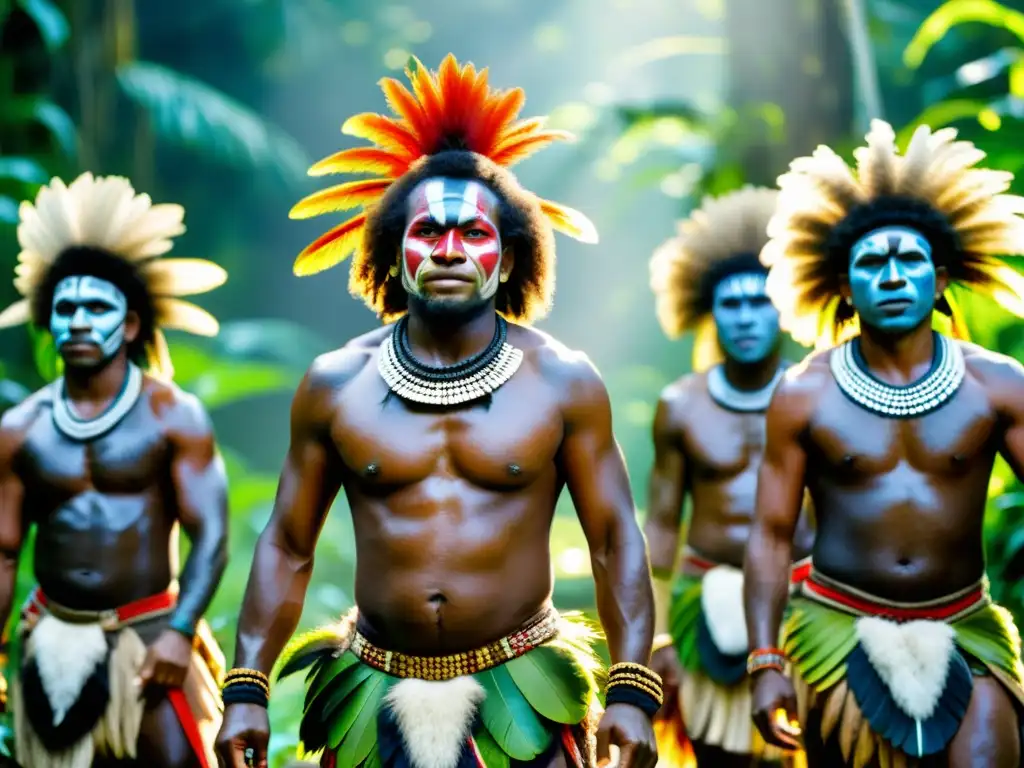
(678, 397)
(797, 395)
(332, 370)
(327, 376)
(1000, 376)
(182, 413)
(18, 419)
(569, 371)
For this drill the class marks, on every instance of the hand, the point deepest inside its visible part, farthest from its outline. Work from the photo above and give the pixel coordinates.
(167, 661)
(628, 728)
(775, 712)
(665, 662)
(245, 727)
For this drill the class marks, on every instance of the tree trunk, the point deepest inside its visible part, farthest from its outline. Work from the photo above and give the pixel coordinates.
(791, 82)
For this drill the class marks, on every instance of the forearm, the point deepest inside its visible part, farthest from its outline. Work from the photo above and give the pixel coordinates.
(663, 545)
(201, 576)
(625, 602)
(766, 584)
(273, 603)
(8, 584)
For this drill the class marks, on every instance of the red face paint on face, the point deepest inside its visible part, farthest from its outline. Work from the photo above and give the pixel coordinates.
(452, 238)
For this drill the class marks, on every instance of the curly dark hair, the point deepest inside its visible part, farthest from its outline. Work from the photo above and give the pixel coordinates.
(522, 226)
(98, 263)
(894, 210)
(741, 263)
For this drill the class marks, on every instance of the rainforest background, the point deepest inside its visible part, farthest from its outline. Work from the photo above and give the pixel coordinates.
(221, 105)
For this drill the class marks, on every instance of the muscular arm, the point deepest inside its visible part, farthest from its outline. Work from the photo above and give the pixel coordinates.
(283, 561)
(596, 477)
(780, 489)
(12, 525)
(665, 500)
(200, 484)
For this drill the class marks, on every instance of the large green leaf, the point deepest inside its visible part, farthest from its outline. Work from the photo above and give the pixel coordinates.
(190, 113)
(49, 20)
(509, 717)
(955, 12)
(32, 109)
(23, 169)
(219, 381)
(552, 684)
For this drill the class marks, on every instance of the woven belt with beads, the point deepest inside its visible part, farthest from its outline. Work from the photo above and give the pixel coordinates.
(540, 629)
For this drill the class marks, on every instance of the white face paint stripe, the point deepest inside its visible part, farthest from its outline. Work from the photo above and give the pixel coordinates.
(737, 286)
(876, 243)
(434, 192)
(469, 203)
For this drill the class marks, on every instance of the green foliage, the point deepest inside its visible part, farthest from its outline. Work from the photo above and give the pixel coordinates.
(193, 114)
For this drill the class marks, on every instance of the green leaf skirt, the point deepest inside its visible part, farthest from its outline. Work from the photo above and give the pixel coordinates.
(715, 697)
(845, 679)
(525, 708)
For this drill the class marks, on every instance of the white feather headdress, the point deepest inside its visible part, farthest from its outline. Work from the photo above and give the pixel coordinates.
(106, 213)
(720, 230)
(820, 192)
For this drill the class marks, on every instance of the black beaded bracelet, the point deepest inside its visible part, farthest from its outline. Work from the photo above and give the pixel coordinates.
(627, 694)
(244, 693)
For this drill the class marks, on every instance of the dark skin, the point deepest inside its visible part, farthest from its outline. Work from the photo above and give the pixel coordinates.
(900, 507)
(712, 454)
(107, 513)
(452, 519)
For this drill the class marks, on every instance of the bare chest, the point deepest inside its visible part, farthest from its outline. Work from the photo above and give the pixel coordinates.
(856, 442)
(721, 444)
(131, 459)
(508, 440)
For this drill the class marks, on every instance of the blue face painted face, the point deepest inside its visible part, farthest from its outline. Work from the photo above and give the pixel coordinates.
(87, 320)
(892, 279)
(746, 320)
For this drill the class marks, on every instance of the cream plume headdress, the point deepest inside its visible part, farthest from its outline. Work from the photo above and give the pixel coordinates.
(722, 229)
(821, 196)
(106, 213)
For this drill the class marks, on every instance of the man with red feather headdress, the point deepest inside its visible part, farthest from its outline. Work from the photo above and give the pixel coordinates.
(453, 431)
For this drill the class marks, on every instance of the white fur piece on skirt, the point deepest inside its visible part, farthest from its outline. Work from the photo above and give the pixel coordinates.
(912, 659)
(435, 717)
(66, 654)
(721, 600)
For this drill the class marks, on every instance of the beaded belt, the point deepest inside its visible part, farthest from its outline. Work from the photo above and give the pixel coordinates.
(539, 630)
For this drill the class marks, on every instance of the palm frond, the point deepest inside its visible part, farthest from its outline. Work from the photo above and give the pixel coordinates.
(193, 114)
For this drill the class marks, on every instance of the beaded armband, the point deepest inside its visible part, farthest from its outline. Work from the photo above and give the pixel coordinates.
(634, 684)
(766, 658)
(246, 686)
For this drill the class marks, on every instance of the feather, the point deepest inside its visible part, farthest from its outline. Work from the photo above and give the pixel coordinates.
(185, 316)
(408, 110)
(434, 719)
(569, 221)
(183, 276)
(519, 148)
(385, 132)
(342, 197)
(333, 246)
(1003, 284)
(493, 128)
(17, 313)
(159, 358)
(361, 160)
(355, 738)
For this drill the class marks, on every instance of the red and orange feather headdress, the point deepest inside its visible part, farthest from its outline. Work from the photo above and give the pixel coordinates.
(454, 103)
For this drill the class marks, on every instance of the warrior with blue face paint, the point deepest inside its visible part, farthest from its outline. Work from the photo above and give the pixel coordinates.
(893, 652)
(708, 441)
(112, 663)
